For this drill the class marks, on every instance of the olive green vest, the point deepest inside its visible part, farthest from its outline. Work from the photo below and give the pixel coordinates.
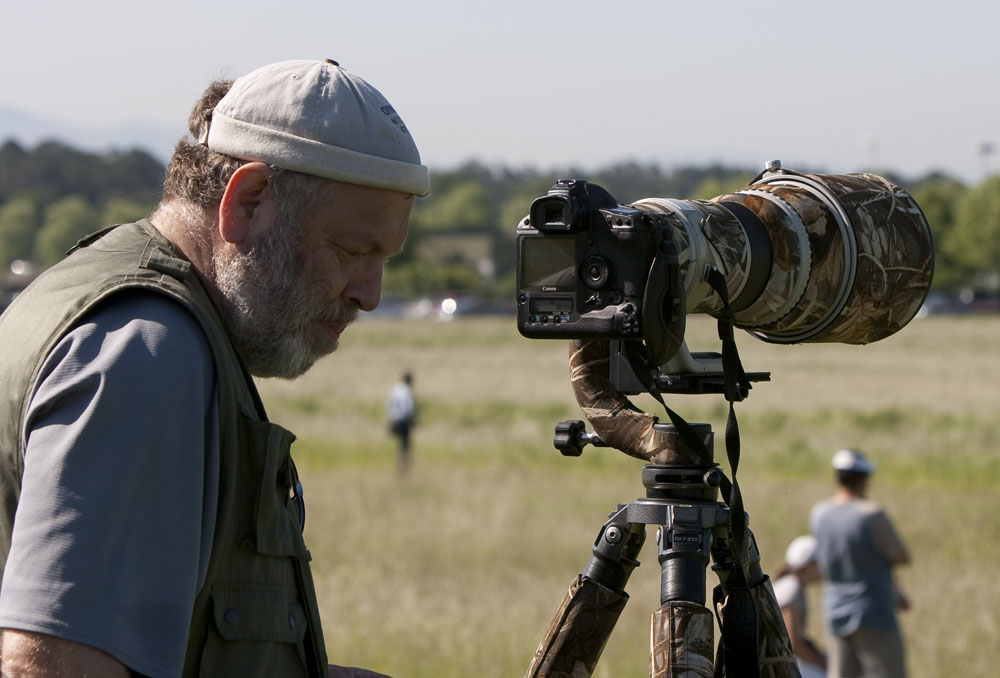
(256, 614)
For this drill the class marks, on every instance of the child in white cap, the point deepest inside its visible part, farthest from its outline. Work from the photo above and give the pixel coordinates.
(789, 588)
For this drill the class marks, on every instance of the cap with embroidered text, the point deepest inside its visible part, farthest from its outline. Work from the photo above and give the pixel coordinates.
(317, 118)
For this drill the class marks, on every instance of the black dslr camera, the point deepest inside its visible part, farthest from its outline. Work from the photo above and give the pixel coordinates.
(803, 258)
(589, 267)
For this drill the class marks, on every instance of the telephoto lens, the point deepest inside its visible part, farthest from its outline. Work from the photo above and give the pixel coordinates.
(806, 257)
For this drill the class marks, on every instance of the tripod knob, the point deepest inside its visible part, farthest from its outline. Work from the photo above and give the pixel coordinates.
(568, 438)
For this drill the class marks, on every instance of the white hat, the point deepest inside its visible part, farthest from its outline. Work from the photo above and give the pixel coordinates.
(317, 118)
(801, 551)
(852, 460)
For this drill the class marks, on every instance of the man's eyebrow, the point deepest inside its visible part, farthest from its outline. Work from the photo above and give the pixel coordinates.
(374, 246)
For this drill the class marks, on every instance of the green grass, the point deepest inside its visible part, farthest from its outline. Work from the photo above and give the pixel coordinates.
(457, 569)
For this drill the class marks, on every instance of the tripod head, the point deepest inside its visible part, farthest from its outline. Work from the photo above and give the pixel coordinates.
(604, 373)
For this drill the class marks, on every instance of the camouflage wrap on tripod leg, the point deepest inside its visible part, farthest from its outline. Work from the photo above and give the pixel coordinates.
(614, 418)
(777, 660)
(578, 633)
(681, 641)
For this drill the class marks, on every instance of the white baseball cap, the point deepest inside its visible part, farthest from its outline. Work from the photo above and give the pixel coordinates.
(801, 551)
(317, 118)
(852, 460)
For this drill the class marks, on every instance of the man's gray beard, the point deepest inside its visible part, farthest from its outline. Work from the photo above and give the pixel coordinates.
(268, 308)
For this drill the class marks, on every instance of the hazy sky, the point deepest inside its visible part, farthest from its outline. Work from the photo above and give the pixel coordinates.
(842, 86)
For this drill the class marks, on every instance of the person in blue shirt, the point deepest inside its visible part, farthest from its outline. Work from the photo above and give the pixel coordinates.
(857, 549)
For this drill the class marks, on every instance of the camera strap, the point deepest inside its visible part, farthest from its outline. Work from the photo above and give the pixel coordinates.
(738, 649)
(737, 387)
(738, 621)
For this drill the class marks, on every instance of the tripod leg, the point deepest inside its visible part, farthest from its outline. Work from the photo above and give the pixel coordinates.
(681, 641)
(681, 636)
(578, 633)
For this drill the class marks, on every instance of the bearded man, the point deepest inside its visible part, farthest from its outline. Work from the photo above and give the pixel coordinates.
(151, 516)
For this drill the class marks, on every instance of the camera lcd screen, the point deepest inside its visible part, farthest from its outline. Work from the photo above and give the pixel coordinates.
(550, 305)
(548, 263)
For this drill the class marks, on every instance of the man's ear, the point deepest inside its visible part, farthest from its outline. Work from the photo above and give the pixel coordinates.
(248, 203)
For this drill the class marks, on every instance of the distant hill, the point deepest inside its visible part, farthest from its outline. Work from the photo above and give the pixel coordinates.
(29, 130)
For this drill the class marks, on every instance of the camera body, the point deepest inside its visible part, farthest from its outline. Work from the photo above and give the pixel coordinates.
(589, 267)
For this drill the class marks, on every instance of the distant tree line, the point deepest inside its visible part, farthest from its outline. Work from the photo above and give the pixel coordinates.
(53, 195)
(462, 235)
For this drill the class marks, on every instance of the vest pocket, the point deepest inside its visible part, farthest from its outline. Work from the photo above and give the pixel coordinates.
(275, 528)
(254, 631)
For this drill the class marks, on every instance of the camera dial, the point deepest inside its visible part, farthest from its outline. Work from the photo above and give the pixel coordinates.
(595, 271)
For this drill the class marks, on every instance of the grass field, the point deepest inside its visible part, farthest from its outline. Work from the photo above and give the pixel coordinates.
(457, 569)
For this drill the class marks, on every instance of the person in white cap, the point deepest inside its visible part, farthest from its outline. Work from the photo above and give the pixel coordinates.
(798, 572)
(857, 548)
(150, 514)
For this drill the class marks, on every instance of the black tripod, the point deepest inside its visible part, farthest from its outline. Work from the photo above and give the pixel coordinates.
(693, 528)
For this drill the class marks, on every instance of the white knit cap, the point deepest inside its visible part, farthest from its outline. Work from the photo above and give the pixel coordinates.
(317, 118)
(801, 551)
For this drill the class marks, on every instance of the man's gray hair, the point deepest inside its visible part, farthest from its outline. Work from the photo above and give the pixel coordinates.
(198, 176)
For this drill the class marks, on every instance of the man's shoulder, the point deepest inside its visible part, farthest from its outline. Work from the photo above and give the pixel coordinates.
(821, 507)
(854, 505)
(133, 339)
(144, 306)
(153, 324)
(867, 507)
(822, 504)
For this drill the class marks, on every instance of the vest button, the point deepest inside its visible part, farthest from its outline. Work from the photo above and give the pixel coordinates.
(232, 616)
(291, 620)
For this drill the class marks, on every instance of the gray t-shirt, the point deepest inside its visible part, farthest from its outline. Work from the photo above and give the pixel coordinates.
(114, 526)
(856, 549)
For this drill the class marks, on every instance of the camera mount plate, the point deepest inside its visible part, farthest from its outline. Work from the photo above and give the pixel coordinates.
(686, 372)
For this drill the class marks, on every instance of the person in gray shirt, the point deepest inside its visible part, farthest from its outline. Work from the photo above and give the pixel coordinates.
(150, 512)
(96, 465)
(857, 548)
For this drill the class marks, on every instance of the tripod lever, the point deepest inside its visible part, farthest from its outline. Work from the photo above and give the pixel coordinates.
(615, 551)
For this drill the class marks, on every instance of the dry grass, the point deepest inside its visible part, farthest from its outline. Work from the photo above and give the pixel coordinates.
(457, 569)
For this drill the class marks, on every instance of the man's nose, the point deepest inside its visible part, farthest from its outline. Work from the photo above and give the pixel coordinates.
(365, 287)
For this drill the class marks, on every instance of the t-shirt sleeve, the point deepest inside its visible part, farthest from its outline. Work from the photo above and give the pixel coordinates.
(117, 509)
(886, 539)
(787, 591)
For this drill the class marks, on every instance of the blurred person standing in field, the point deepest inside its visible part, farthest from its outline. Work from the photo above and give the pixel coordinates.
(402, 418)
(857, 548)
(800, 570)
(152, 516)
